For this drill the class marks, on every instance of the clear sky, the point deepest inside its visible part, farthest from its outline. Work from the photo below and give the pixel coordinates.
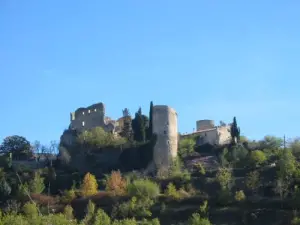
(207, 59)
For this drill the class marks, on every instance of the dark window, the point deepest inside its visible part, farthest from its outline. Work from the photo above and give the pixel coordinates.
(165, 132)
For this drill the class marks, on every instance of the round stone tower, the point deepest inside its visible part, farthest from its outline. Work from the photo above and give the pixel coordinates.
(164, 125)
(205, 124)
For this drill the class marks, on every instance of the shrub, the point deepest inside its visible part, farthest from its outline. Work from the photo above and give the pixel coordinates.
(239, 196)
(186, 146)
(200, 168)
(224, 177)
(68, 196)
(150, 222)
(89, 186)
(30, 210)
(133, 208)
(196, 219)
(116, 184)
(5, 189)
(257, 157)
(101, 218)
(125, 222)
(143, 188)
(68, 212)
(171, 192)
(252, 180)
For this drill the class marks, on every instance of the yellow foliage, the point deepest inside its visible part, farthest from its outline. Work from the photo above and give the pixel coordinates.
(240, 196)
(89, 186)
(116, 184)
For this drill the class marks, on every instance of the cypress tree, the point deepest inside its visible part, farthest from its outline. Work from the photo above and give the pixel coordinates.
(235, 131)
(150, 129)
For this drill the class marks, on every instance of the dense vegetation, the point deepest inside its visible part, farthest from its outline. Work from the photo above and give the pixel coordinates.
(100, 180)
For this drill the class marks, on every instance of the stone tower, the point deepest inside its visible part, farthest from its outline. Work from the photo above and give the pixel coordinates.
(165, 128)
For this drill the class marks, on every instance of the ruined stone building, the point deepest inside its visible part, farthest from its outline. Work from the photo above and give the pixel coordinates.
(90, 117)
(208, 133)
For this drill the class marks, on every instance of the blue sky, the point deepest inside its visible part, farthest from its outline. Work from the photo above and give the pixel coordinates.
(207, 59)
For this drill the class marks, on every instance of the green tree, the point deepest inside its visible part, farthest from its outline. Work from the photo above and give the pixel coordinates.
(143, 188)
(186, 146)
(294, 145)
(101, 218)
(286, 165)
(235, 132)
(196, 219)
(257, 157)
(139, 126)
(17, 145)
(5, 189)
(270, 142)
(127, 129)
(253, 181)
(36, 185)
(224, 178)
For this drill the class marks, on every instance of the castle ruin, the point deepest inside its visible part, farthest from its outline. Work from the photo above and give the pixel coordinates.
(208, 133)
(166, 131)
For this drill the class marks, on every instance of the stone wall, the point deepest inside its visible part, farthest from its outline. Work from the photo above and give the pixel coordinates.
(166, 131)
(88, 118)
(224, 135)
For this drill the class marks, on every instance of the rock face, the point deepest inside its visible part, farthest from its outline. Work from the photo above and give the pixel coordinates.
(166, 130)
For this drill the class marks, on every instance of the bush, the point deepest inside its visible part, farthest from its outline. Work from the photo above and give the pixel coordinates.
(133, 208)
(30, 210)
(257, 157)
(36, 185)
(68, 196)
(224, 177)
(143, 188)
(200, 168)
(68, 212)
(89, 186)
(116, 184)
(239, 196)
(171, 192)
(101, 218)
(197, 220)
(186, 146)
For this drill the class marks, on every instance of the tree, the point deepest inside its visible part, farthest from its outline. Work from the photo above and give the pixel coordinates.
(5, 189)
(295, 147)
(196, 219)
(139, 126)
(186, 146)
(126, 112)
(286, 165)
(224, 178)
(235, 132)
(127, 129)
(89, 185)
(143, 188)
(253, 181)
(18, 146)
(270, 142)
(257, 157)
(239, 196)
(116, 184)
(150, 128)
(36, 185)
